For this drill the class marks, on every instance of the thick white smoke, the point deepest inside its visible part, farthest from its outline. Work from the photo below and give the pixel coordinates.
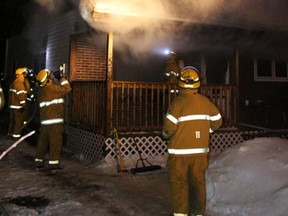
(152, 24)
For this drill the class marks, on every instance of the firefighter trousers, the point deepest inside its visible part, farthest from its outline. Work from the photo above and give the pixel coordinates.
(186, 175)
(17, 118)
(51, 137)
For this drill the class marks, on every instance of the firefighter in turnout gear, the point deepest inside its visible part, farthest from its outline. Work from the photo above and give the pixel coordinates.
(190, 119)
(50, 97)
(18, 91)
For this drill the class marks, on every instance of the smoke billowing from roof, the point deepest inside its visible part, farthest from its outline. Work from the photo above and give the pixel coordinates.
(151, 24)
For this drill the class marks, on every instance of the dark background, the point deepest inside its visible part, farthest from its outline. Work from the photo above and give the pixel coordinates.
(14, 15)
(25, 17)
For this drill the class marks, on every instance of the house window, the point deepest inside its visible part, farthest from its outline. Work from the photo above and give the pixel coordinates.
(270, 70)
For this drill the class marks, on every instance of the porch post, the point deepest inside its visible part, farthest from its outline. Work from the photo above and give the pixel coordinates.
(109, 76)
(236, 98)
(203, 69)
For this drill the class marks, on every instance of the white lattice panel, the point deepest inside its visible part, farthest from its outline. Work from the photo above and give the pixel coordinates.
(222, 140)
(149, 147)
(84, 145)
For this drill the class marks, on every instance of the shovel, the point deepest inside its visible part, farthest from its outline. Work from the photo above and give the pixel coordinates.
(145, 167)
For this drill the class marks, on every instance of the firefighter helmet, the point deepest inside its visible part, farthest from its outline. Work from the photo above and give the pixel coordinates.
(20, 71)
(43, 76)
(189, 78)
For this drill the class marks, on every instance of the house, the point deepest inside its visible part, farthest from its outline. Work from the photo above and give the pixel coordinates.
(246, 77)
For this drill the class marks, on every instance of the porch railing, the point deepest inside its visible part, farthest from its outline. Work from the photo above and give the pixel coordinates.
(138, 106)
(87, 104)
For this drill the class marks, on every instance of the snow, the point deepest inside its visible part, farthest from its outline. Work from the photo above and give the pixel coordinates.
(249, 179)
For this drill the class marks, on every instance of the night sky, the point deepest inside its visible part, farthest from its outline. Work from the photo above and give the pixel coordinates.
(18, 16)
(14, 14)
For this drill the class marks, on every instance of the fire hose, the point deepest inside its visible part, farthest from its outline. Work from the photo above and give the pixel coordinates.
(16, 143)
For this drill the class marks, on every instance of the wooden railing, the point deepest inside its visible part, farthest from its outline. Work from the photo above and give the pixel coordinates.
(225, 98)
(138, 106)
(87, 104)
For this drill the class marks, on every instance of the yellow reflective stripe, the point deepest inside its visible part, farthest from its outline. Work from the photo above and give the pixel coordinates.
(216, 117)
(21, 92)
(172, 91)
(194, 117)
(13, 90)
(188, 151)
(52, 121)
(171, 118)
(22, 102)
(180, 214)
(38, 160)
(64, 82)
(48, 103)
(54, 162)
(15, 107)
(1, 90)
(16, 135)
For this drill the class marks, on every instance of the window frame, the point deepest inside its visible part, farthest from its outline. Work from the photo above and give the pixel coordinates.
(273, 77)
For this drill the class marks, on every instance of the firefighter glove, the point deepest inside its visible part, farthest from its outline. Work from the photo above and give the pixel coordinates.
(58, 74)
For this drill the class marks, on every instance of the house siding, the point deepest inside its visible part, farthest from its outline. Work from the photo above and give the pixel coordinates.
(266, 99)
(58, 44)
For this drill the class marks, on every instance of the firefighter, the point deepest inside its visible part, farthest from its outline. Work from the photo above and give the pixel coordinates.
(50, 97)
(189, 120)
(2, 99)
(171, 68)
(17, 102)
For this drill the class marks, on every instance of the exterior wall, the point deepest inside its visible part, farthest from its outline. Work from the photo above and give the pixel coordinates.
(58, 44)
(262, 96)
(90, 61)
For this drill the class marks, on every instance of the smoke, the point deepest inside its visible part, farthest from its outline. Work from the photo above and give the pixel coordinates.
(40, 15)
(137, 25)
(55, 6)
(152, 25)
(51, 5)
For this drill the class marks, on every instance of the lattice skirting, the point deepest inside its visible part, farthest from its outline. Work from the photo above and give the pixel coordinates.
(86, 146)
(91, 148)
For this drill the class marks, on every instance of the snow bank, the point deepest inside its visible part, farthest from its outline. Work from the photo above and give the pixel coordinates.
(250, 179)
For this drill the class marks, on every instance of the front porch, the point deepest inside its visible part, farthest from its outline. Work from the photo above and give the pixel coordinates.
(136, 110)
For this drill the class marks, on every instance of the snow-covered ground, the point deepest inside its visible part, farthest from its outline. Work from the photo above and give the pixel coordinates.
(250, 179)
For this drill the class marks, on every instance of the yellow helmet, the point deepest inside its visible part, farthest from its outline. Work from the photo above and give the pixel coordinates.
(20, 71)
(42, 77)
(189, 78)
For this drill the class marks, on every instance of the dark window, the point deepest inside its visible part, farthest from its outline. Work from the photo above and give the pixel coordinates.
(270, 70)
(264, 68)
(280, 69)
